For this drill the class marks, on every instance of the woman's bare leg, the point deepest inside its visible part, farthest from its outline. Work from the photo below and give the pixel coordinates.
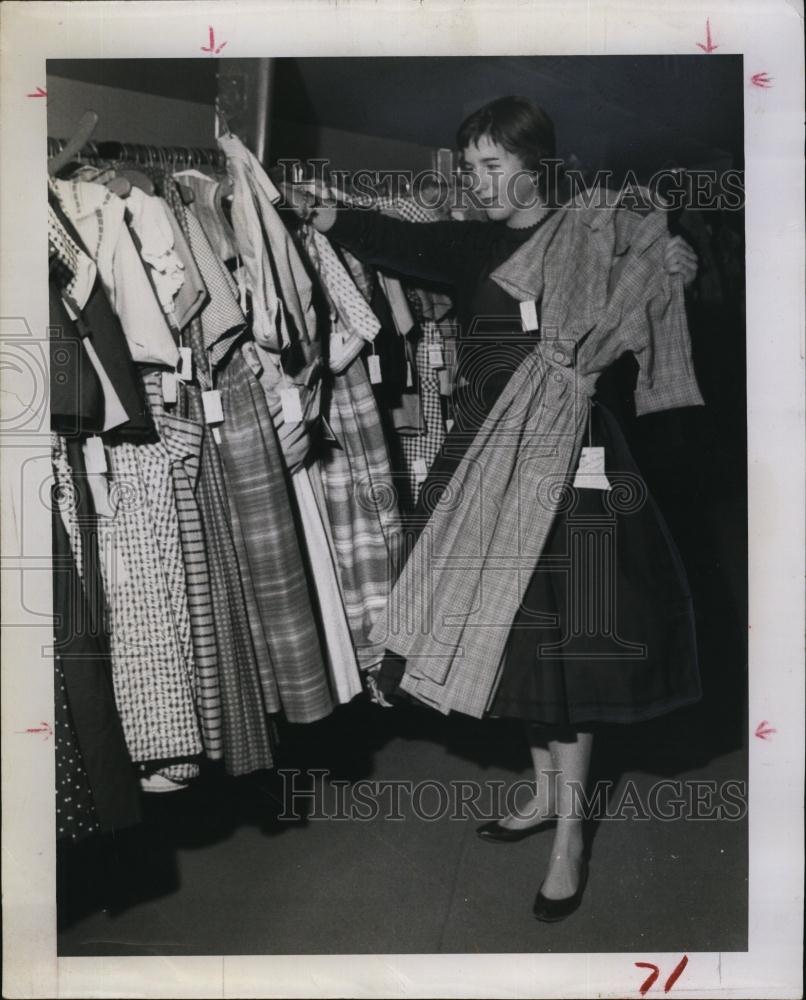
(541, 806)
(570, 756)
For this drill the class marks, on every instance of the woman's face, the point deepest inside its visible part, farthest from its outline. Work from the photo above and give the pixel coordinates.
(501, 183)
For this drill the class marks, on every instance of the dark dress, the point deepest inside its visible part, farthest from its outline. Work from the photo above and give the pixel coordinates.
(594, 639)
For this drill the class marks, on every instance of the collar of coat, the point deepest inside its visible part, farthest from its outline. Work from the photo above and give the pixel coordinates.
(586, 230)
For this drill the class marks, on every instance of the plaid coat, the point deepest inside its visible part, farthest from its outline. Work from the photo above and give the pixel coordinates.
(603, 289)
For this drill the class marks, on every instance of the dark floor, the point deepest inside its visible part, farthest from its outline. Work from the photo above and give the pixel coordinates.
(214, 871)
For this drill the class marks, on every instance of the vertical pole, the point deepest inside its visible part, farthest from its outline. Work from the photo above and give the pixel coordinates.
(262, 105)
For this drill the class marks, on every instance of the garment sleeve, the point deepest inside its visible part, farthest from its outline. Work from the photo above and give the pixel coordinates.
(440, 251)
(666, 378)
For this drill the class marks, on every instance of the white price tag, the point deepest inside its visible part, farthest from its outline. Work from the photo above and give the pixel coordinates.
(420, 470)
(292, 407)
(185, 370)
(590, 474)
(169, 388)
(449, 424)
(213, 410)
(95, 456)
(409, 375)
(374, 363)
(435, 358)
(529, 315)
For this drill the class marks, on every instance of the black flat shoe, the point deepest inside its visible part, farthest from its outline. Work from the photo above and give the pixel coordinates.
(494, 833)
(551, 910)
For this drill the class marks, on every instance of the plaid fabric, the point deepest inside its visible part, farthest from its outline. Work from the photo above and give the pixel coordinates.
(246, 740)
(356, 476)
(184, 474)
(425, 446)
(451, 611)
(362, 505)
(293, 676)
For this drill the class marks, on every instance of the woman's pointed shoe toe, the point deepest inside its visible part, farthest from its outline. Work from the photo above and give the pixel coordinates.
(551, 910)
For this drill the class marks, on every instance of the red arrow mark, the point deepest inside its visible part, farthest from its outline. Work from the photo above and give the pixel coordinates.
(764, 730)
(676, 973)
(39, 92)
(709, 45)
(647, 984)
(211, 48)
(43, 727)
(761, 80)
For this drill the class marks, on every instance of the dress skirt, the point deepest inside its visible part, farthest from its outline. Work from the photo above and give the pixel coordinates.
(605, 632)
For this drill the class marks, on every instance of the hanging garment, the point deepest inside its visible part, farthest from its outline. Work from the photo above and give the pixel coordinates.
(207, 209)
(76, 394)
(282, 294)
(145, 585)
(212, 335)
(318, 549)
(154, 238)
(504, 496)
(422, 449)
(356, 474)
(82, 323)
(292, 672)
(362, 506)
(184, 477)
(96, 787)
(98, 215)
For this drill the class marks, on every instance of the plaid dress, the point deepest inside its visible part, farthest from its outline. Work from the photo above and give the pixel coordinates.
(451, 612)
(355, 472)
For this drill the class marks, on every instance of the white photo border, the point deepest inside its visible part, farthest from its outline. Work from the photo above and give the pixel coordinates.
(768, 33)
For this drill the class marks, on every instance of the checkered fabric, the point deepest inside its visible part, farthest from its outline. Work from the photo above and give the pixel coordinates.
(356, 475)
(425, 446)
(246, 740)
(184, 475)
(362, 506)
(451, 611)
(293, 675)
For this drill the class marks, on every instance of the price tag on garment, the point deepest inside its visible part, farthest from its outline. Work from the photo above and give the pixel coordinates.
(409, 375)
(95, 456)
(185, 370)
(169, 388)
(213, 410)
(374, 363)
(590, 474)
(420, 470)
(529, 315)
(216, 435)
(292, 407)
(449, 424)
(435, 357)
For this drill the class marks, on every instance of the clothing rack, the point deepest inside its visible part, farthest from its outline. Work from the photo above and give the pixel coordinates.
(141, 154)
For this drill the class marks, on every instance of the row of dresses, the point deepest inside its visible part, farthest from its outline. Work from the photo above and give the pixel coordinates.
(223, 495)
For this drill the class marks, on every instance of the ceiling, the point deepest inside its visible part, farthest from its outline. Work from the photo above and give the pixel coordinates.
(638, 112)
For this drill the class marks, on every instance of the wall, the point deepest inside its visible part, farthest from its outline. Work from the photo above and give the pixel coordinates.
(345, 150)
(128, 116)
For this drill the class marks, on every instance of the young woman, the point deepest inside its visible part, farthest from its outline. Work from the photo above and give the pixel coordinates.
(559, 699)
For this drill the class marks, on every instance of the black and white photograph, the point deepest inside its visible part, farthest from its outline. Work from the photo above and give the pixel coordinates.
(400, 514)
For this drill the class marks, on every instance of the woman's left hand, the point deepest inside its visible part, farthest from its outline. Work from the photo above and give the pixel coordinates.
(679, 258)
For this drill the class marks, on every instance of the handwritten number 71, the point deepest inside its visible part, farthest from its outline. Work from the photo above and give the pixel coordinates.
(649, 982)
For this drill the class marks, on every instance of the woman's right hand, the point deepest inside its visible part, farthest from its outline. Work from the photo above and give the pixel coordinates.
(311, 202)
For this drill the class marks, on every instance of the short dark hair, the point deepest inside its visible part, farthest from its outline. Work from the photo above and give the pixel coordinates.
(515, 123)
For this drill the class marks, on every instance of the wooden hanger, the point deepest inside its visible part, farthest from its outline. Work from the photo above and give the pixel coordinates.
(86, 126)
